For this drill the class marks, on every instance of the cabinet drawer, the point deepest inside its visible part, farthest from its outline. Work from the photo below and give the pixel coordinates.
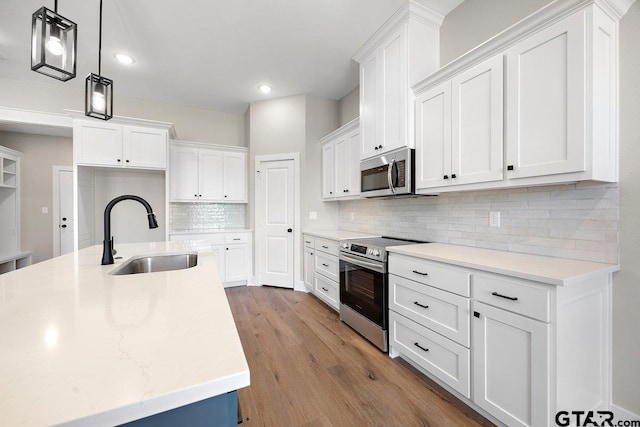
(328, 265)
(326, 290)
(236, 238)
(443, 312)
(441, 357)
(431, 273)
(526, 298)
(329, 246)
(309, 242)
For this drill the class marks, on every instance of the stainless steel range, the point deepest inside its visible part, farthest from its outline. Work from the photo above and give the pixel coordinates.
(364, 286)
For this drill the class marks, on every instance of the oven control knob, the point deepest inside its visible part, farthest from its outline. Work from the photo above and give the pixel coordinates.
(375, 252)
(345, 245)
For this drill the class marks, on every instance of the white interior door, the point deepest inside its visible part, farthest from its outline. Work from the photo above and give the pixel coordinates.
(275, 222)
(63, 215)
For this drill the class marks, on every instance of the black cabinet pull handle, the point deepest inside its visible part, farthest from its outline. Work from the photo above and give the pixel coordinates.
(199, 195)
(325, 265)
(63, 226)
(127, 160)
(325, 289)
(420, 273)
(64, 219)
(420, 347)
(227, 248)
(375, 148)
(420, 305)
(346, 191)
(380, 147)
(195, 195)
(476, 314)
(310, 253)
(446, 177)
(495, 294)
(509, 167)
(306, 241)
(453, 175)
(118, 160)
(326, 247)
(237, 238)
(225, 196)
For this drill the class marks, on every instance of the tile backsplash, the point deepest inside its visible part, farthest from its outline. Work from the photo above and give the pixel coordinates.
(571, 221)
(201, 216)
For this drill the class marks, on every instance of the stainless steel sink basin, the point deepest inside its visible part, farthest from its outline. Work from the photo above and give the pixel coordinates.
(155, 263)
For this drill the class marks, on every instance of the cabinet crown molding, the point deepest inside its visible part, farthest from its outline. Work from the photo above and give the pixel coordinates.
(121, 120)
(544, 17)
(410, 10)
(347, 127)
(221, 147)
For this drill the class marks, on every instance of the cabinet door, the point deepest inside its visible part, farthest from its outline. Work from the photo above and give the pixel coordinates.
(99, 144)
(476, 136)
(342, 165)
(433, 137)
(235, 177)
(236, 263)
(546, 101)
(144, 147)
(353, 167)
(328, 171)
(211, 175)
(183, 172)
(219, 255)
(369, 107)
(394, 88)
(309, 267)
(511, 366)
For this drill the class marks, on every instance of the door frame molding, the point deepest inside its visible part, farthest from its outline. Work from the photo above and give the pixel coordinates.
(55, 206)
(298, 282)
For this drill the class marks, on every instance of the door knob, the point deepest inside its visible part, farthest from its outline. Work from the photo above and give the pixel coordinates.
(64, 219)
(289, 230)
(63, 226)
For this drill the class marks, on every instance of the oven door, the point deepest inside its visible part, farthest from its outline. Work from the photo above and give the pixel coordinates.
(363, 287)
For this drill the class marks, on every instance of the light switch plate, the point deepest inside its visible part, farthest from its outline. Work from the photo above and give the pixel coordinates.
(494, 219)
(45, 210)
(313, 215)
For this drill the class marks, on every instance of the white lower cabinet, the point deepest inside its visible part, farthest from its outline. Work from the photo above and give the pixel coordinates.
(232, 252)
(518, 350)
(322, 269)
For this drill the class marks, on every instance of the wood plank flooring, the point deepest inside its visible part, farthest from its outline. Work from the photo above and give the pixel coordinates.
(309, 369)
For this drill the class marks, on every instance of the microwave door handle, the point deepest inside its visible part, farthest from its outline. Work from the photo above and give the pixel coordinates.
(389, 173)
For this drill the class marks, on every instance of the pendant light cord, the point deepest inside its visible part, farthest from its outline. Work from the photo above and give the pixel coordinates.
(99, 42)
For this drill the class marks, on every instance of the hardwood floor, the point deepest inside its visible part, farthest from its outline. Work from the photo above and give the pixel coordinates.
(310, 369)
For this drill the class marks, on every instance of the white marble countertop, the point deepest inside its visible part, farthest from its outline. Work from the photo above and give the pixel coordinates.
(554, 271)
(338, 234)
(84, 348)
(212, 230)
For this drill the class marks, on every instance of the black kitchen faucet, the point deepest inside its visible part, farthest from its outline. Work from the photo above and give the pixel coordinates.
(107, 243)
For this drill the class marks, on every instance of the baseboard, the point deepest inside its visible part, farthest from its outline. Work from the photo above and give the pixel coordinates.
(622, 414)
(299, 286)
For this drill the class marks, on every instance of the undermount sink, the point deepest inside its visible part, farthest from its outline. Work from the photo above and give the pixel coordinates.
(155, 263)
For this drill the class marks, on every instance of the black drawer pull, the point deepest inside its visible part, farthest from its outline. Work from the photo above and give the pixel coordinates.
(420, 347)
(237, 238)
(495, 294)
(306, 241)
(325, 265)
(325, 289)
(420, 305)
(420, 273)
(326, 247)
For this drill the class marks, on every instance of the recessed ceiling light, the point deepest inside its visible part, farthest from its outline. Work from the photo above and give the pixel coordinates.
(265, 88)
(124, 58)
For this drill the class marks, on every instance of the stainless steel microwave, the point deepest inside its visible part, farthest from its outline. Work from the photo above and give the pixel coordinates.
(389, 174)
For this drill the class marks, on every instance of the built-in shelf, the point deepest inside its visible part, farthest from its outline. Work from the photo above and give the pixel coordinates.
(14, 262)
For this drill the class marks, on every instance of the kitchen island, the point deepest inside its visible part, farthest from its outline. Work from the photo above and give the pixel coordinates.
(83, 347)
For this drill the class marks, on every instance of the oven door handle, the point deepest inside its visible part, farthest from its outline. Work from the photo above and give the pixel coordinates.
(364, 264)
(389, 178)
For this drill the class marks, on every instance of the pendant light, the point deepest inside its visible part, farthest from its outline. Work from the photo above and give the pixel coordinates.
(98, 95)
(53, 44)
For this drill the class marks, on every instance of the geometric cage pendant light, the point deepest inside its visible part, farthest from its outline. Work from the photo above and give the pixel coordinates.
(54, 40)
(98, 95)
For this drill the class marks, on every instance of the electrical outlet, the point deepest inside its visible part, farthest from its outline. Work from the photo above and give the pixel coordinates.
(313, 215)
(494, 219)
(45, 210)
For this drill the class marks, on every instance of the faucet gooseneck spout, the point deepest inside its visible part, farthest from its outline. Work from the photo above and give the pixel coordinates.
(107, 243)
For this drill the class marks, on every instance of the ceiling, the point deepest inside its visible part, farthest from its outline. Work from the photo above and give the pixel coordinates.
(210, 53)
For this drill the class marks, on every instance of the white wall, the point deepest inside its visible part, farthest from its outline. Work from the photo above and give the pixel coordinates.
(39, 154)
(191, 123)
(626, 284)
(349, 106)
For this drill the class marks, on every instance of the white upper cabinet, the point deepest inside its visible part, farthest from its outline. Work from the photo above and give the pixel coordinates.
(558, 70)
(120, 145)
(202, 174)
(341, 162)
(459, 129)
(405, 47)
